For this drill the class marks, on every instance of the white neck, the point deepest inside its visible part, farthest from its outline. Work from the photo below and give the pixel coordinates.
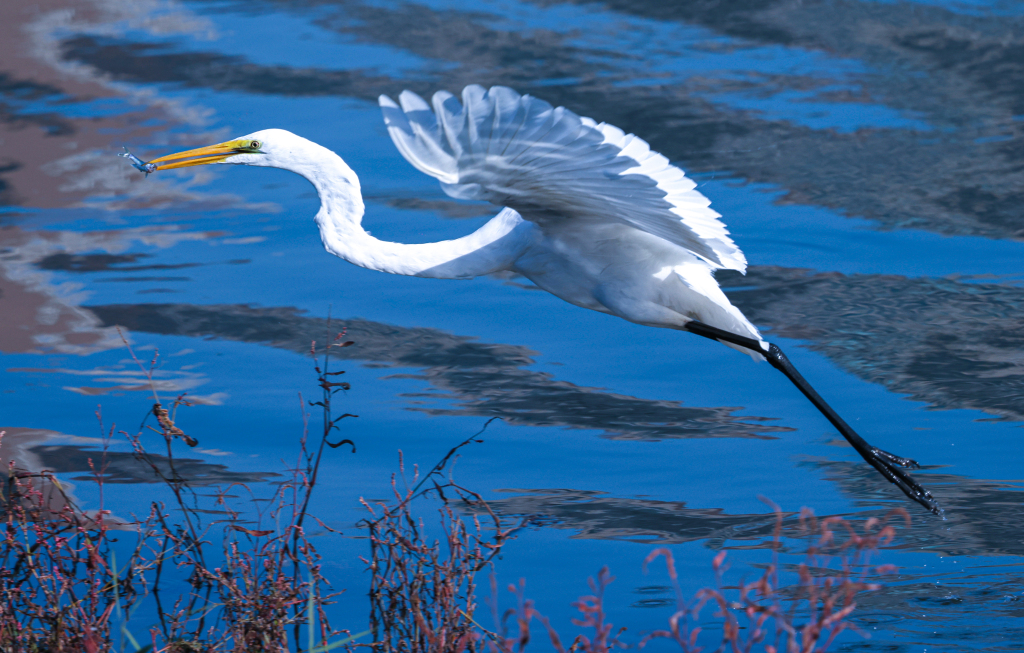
(492, 248)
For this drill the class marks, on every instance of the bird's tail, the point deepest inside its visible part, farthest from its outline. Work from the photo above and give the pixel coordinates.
(712, 307)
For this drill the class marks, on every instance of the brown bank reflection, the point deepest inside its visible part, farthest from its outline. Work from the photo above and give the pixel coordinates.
(62, 123)
(38, 314)
(21, 463)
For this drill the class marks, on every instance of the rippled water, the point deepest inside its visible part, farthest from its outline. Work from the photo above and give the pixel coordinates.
(867, 156)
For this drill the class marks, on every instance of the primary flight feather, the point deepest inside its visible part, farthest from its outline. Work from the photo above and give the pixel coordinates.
(550, 164)
(590, 214)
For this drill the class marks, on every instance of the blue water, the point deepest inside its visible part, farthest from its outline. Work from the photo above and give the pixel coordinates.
(864, 155)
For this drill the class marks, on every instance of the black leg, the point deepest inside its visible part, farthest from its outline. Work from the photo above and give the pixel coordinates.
(887, 464)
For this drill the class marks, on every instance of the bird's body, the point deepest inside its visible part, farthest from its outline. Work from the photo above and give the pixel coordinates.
(590, 214)
(565, 183)
(631, 274)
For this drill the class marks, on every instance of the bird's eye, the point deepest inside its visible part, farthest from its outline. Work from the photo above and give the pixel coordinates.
(255, 145)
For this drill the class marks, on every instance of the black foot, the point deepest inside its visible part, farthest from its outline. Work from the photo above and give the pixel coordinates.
(896, 460)
(890, 467)
(886, 463)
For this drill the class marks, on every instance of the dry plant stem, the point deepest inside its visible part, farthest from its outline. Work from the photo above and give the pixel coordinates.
(822, 602)
(422, 591)
(256, 601)
(169, 431)
(312, 465)
(61, 591)
(591, 608)
(439, 468)
(58, 592)
(329, 389)
(186, 544)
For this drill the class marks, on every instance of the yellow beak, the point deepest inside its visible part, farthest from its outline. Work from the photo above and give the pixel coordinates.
(201, 155)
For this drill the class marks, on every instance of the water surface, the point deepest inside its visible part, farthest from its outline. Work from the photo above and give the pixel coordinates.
(867, 156)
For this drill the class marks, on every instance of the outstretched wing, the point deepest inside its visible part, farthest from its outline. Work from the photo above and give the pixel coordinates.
(551, 165)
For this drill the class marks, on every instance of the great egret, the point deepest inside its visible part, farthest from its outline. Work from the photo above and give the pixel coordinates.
(591, 215)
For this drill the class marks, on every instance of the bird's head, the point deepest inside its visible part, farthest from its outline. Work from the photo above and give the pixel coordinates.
(270, 147)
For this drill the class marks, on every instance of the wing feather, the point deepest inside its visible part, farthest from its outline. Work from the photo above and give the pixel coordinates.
(552, 165)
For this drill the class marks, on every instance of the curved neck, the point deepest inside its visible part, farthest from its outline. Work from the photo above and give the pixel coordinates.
(493, 247)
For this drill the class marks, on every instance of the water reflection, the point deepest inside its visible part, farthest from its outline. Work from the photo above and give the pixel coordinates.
(482, 379)
(906, 113)
(922, 600)
(962, 182)
(102, 263)
(61, 123)
(946, 342)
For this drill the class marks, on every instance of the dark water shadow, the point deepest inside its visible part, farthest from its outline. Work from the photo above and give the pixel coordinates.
(35, 450)
(480, 379)
(983, 517)
(121, 467)
(951, 343)
(31, 457)
(597, 515)
(66, 262)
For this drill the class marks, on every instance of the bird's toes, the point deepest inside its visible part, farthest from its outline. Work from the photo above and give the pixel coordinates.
(893, 469)
(915, 491)
(893, 459)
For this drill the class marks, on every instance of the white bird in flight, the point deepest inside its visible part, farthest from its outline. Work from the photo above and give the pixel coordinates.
(590, 214)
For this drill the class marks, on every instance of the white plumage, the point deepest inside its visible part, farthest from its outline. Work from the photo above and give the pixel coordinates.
(621, 230)
(590, 214)
(550, 164)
